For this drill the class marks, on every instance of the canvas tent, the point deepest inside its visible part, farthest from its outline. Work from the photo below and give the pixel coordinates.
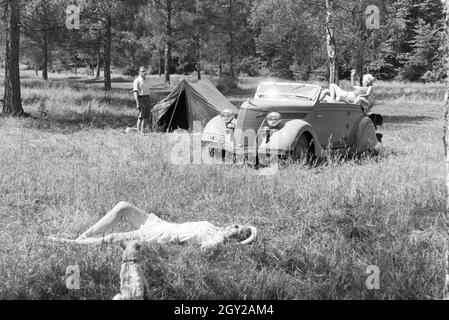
(189, 102)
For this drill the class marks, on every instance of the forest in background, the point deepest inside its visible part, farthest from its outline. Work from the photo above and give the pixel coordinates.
(282, 38)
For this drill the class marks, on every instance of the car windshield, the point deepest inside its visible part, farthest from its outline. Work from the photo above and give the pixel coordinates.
(294, 90)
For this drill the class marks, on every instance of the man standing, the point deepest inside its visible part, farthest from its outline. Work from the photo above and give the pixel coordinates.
(141, 89)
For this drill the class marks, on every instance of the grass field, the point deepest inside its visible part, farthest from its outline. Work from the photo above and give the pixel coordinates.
(320, 228)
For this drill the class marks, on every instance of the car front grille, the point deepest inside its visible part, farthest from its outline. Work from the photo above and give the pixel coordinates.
(249, 122)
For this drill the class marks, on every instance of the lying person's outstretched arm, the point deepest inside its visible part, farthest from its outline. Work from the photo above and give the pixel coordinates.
(109, 238)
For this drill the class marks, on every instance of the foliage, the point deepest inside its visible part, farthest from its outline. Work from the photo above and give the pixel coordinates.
(281, 38)
(425, 46)
(411, 40)
(226, 84)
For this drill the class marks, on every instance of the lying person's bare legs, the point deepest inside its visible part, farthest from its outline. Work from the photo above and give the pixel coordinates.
(337, 93)
(325, 93)
(123, 210)
(334, 89)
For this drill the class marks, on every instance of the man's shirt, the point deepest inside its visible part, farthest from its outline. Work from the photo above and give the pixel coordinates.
(141, 86)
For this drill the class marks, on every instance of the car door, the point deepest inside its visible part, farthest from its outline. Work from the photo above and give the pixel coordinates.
(332, 124)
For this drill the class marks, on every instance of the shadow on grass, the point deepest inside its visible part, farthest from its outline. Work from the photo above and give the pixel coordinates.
(85, 100)
(100, 80)
(406, 119)
(67, 124)
(341, 157)
(337, 158)
(86, 93)
(239, 92)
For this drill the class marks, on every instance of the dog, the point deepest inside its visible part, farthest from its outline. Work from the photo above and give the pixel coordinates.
(129, 130)
(133, 284)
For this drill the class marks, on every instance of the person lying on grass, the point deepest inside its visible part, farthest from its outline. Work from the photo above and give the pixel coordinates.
(150, 228)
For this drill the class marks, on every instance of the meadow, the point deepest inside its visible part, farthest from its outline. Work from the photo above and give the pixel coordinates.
(320, 227)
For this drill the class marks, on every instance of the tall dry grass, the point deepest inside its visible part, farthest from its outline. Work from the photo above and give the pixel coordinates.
(319, 227)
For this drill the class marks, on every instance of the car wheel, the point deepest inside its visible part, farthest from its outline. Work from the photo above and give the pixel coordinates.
(301, 152)
(211, 153)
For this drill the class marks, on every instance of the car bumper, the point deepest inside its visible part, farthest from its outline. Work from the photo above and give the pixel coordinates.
(253, 154)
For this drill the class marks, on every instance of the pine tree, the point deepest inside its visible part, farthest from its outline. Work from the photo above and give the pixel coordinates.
(108, 14)
(42, 27)
(12, 102)
(425, 49)
(395, 57)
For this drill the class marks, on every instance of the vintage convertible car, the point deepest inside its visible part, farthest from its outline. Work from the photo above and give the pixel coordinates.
(293, 121)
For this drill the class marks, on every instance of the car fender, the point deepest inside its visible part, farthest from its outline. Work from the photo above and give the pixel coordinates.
(215, 126)
(365, 136)
(285, 139)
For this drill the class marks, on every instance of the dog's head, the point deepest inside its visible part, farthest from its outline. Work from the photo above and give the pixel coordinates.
(131, 250)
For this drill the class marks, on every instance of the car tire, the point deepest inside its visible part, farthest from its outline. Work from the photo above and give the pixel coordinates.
(301, 152)
(213, 154)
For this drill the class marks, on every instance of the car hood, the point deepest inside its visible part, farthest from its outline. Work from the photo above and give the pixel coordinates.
(280, 103)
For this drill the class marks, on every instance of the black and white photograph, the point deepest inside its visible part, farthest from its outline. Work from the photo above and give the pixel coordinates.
(234, 152)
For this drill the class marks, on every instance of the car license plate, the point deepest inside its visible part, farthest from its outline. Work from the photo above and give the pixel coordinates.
(213, 138)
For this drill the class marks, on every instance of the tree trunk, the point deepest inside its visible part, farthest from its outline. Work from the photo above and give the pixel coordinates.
(98, 61)
(231, 39)
(107, 53)
(168, 30)
(359, 24)
(198, 42)
(331, 44)
(167, 56)
(12, 103)
(198, 57)
(75, 63)
(45, 44)
(45, 58)
(444, 217)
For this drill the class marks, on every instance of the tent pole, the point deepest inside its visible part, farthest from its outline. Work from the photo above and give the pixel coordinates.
(174, 110)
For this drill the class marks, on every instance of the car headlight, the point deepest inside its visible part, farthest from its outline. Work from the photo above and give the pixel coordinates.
(273, 119)
(227, 115)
